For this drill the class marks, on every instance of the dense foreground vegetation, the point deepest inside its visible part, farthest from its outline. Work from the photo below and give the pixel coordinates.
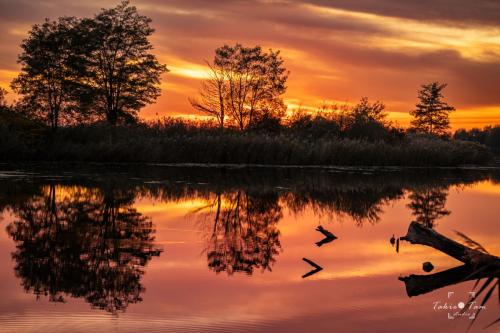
(181, 142)
(83, 82)
(489, 136)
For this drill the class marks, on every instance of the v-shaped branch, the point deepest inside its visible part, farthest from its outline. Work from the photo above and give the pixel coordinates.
(317, 268)
(329, 237)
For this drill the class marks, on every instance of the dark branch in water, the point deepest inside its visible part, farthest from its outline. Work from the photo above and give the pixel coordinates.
(423, 284)
(317, 268)
(329, 237)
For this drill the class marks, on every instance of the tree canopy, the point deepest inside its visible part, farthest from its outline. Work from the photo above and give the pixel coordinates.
(99, 68)
(48, 78)
(366, 112)
(120, 70)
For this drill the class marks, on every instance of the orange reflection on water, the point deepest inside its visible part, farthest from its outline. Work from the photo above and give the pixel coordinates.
(358, 287)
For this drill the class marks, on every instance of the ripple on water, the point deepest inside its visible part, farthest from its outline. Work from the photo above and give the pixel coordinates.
(89, 322)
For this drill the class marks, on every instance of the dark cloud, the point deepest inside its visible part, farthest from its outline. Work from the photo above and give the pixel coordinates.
(482, 12)
(31, 12)
(338, 57)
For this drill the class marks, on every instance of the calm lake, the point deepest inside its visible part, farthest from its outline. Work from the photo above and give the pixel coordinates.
(190, 249)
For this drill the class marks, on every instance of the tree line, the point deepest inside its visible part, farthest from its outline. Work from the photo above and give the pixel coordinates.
(489, 136)
(246, 85)
(79, 70)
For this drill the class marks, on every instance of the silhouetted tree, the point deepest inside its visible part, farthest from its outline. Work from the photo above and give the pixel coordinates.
(213, 96)
(432, 113)
(47, 81)
(365, 120)
(365, 111)
(121, 71)
(489, 135)
(428, 205)
(245, 84)
(493, 139)
(84, 243)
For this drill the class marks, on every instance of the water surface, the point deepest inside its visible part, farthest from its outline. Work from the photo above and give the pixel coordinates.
(166, 249)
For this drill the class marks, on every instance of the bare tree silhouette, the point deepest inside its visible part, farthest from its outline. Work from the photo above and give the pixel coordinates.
(245, 85)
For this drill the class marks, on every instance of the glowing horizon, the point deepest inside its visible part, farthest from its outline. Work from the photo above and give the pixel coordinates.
(335, 50)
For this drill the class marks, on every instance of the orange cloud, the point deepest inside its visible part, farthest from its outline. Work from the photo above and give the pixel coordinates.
(335, 51)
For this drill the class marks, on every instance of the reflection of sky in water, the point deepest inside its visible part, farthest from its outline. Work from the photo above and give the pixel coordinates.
(358, 287)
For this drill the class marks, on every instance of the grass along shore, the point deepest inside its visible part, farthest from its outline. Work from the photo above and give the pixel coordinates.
(181, 143)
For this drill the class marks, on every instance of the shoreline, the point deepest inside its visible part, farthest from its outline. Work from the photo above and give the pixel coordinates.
(235, 166)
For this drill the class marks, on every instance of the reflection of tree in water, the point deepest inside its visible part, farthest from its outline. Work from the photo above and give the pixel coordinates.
(428, 205)
(362, 205)
(83, 243)
(245, 236)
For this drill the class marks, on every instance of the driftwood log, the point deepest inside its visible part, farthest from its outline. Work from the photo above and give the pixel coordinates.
(477, 264)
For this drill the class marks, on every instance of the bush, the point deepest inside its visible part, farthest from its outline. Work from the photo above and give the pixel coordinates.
(489, 136)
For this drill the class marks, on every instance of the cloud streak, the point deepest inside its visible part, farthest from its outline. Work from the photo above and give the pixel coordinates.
(335, 50)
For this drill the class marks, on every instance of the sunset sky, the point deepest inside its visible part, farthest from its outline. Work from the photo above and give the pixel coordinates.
(335, 50)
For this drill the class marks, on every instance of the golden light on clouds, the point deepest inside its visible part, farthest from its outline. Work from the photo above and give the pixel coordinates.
(335, 50)
(192, 71)
(182, 68)
(475, 117)
(476, 43)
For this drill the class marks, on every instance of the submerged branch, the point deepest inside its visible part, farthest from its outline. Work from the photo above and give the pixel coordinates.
(423, 284)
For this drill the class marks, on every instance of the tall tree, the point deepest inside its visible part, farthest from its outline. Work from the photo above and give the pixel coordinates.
(432, 113)
(49, 71)
(245, 84)
(121, 70)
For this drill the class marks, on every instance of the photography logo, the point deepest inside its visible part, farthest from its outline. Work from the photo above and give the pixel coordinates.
(454, 307)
